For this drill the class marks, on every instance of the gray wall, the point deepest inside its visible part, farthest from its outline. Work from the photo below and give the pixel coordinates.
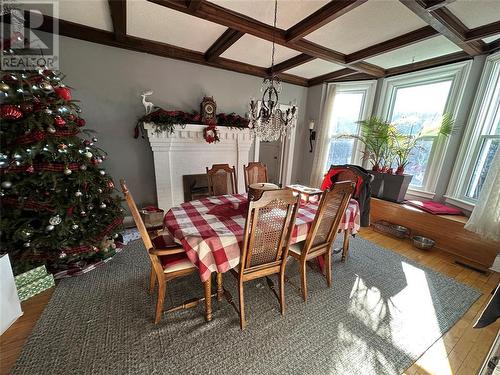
(108, 82)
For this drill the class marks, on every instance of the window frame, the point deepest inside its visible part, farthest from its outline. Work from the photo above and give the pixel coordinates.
(458, 74)
(474, 136)
(367, 88)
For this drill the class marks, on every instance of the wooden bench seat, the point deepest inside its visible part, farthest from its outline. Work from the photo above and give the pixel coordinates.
(447, 230)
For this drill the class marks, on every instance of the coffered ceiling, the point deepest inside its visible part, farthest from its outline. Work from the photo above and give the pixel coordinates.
(316, 40)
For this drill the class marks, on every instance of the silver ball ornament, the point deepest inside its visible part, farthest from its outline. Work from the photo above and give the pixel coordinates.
(83, 167)
(83, 213)
(48, 111)
(74, 226)
(94, 139)
(55, 220)
(103, 205)
(6, 184)
(4, 87)
(62, 255)
(46, 86)
(51, 129)
(102, 173)
(99, 190)
(67, 171)
(88, 154)
(78, 193)
(27, 244)
(49, 228)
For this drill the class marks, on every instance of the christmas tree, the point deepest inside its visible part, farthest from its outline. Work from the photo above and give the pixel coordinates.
(58, 205)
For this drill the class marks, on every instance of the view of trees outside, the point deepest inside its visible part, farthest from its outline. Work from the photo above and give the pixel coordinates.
(346, 112)
(418, 109)
(486, 155)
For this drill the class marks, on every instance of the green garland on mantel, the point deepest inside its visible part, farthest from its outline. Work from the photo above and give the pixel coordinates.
(166, 121)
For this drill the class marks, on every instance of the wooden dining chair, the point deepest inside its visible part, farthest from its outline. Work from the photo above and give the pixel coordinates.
(221, 179)
(168, 259)
(268, 229)
(254, 172)
(323, 231)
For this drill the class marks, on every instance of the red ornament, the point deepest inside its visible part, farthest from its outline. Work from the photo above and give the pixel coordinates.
(71, 117)
(69, 211)
(63, 92)
(94, 161)
(80, 122)
(27, 107)
(111, 184)
(30, 169)
(87, 142)
(59, 121)
(211, 134)
(10, 112)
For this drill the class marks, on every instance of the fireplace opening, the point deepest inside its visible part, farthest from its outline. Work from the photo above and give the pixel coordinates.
(195, 186)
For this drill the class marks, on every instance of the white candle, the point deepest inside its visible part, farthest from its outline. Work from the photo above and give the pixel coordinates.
(311, 125)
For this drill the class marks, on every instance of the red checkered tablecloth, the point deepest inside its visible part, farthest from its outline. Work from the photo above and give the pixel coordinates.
(212, 242)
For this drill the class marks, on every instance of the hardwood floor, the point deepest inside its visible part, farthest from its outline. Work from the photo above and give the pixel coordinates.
(460, 351)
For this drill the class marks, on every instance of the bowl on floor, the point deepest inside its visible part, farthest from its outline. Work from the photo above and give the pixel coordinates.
(423, 243)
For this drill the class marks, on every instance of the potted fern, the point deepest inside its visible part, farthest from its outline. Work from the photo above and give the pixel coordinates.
(386, 148)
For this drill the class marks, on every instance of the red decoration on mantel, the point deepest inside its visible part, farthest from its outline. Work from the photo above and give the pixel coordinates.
(211, 134)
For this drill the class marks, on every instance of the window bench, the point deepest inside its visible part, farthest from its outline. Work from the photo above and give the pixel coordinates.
(447, 230)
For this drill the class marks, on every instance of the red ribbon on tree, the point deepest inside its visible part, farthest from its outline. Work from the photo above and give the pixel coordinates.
(10, 112)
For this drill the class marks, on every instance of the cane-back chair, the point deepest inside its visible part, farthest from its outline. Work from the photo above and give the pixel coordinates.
(323, 231)
(268, 229)
(168, 259)
(254, 172)
(221, 179)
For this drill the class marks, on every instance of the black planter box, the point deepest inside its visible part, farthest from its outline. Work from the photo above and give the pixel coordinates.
(390, 187)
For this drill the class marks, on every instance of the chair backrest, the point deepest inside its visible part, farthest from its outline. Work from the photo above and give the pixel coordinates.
(340, 173)
(137, 217)
(331, 210)
(254, 172)
(268, 229)
(221, 179)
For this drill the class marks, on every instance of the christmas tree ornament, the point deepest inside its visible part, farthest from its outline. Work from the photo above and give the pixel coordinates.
(6, 184)
(30, 169)
(62, 146)
(55, 220)
(74, 226)
(88, 154)
(27, 244)
(111, 184)
(102, 172)
(94, 139)
(46, 86)
(103, 205)
(71, 117)
(51, 129)
(59, 121)
(83, 213)
(49, 228)
(47, 111)
(67, 171)
(99, 191)
(26, 107)
(83, 167)
(63, 92)
(25, 233)
(10, 112)
(87, 142)
(90, 207)
(4, 87)
(78, 193)
(80, 122)
(62, 255)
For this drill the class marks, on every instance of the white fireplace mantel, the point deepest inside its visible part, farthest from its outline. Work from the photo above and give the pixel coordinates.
(185, 151)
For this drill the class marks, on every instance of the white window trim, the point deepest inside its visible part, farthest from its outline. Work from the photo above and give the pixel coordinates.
(459, 73)
(467, 154)
(369, 89)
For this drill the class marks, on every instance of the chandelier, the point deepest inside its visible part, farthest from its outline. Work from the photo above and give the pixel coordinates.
(268, 121)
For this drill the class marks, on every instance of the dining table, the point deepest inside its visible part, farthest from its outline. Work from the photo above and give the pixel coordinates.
(211, 232)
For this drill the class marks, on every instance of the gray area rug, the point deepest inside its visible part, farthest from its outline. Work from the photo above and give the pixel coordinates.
(381, 314)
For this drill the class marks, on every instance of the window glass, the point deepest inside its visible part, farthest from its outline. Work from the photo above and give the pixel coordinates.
(347, 109)
(487, 152)
(419, 110)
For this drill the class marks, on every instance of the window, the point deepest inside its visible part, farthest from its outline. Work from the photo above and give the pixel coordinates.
(418, 109)
(415, 104)
(482, 137)
(353, 102)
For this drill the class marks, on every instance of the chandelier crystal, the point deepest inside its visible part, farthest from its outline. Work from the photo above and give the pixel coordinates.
(268, 121)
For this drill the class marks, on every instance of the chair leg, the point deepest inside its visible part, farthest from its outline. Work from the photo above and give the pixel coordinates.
(243, 323)
(282, 292)
(303, 279)
(152, 280)
(162, 287)
(328, 270)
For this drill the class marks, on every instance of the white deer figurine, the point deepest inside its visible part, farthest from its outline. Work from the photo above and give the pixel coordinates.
(148, 106)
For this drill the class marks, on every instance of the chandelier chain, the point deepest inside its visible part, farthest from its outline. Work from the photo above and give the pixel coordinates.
(273, 34)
